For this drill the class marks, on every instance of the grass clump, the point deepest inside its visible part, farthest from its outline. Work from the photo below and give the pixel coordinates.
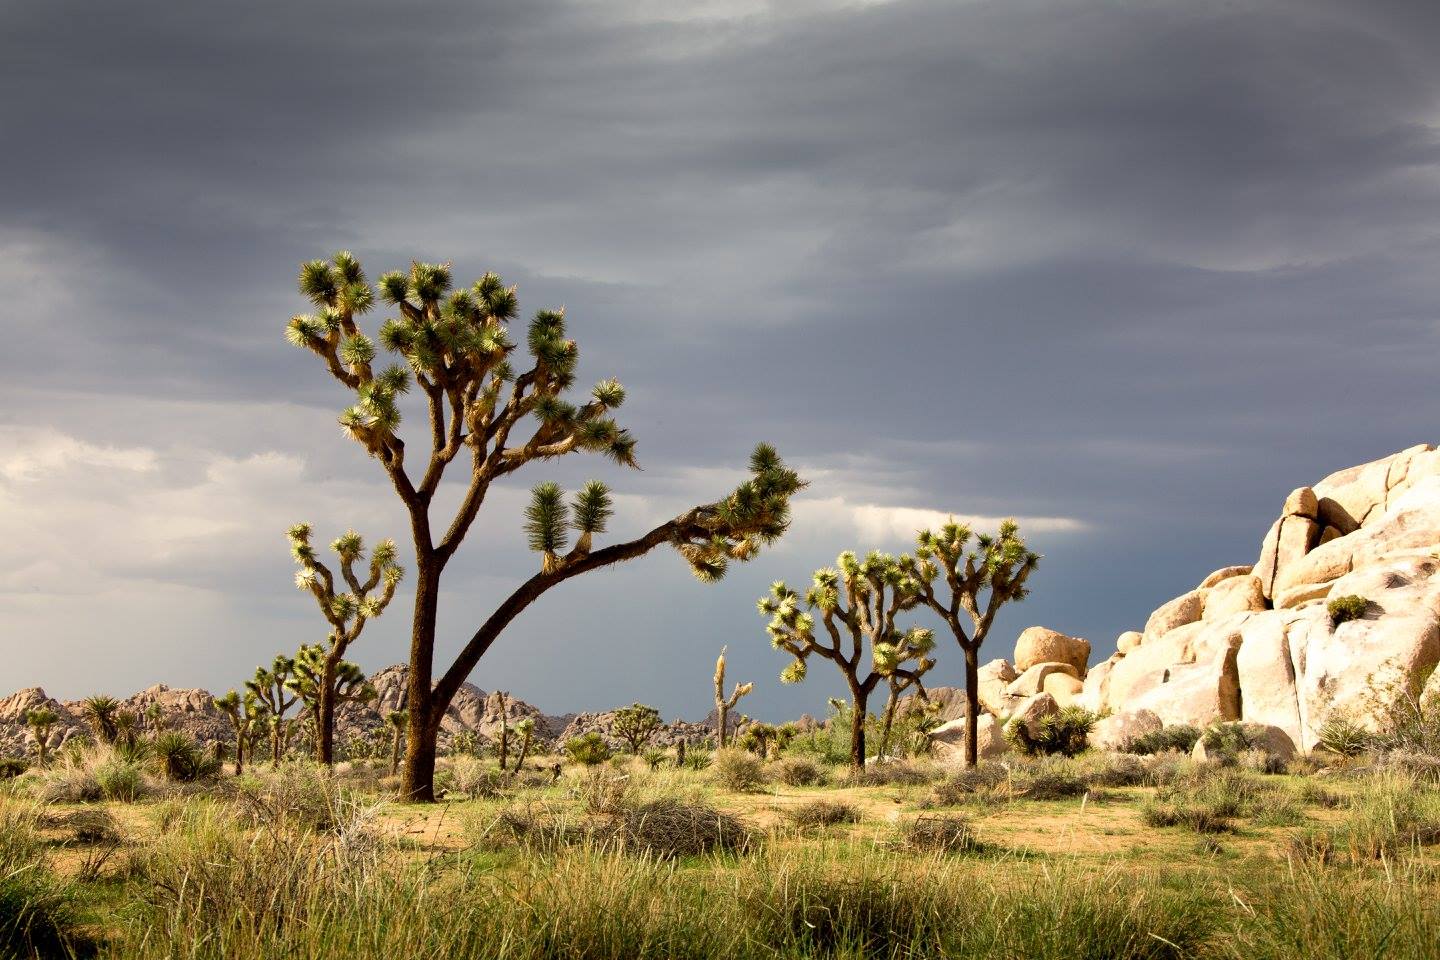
(799, 772)
(822, 813)
(671, 827)
(934, 833)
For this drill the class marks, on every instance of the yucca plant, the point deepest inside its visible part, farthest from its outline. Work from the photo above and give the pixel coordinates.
(317, 680)
(857, 606)
(348, 603)
(99, 712)
(966, 579)
(456, 346)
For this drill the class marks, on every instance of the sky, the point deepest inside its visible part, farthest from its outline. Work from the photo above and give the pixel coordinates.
(1126, 271)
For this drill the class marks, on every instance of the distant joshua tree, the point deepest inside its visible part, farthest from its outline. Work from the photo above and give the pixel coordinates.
(322, 683)
(857, 604)
(396, 720)
(154, 718)
(724, 704)
(456, 346)
(41, 722)
(636, 724)
(274, 698)
(526, 729)
(240, 711)
(99, 712)
(347, 611)
(966, 586)
(502, 747)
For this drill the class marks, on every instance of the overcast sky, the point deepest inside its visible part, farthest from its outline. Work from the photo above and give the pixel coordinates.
(1127, 271)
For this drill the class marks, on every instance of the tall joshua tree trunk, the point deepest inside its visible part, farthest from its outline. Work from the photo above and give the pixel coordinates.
(859, 698)
(325, 715)
(972, 704)
(504, 745)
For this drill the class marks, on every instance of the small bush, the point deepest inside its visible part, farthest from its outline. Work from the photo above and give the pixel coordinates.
(901, 773)
(1049, 781)
(738, 770)
(1192, 816)
(799, 772)
(822, 813)
(588, 749)
(670, 827)
(1318, 796)
(476, 778)
(1345, 737)
(1181, 737)
(982, 780)
(1347, 608)
(932, 833)
(1115, 770)
(86, 826)
(602, 792)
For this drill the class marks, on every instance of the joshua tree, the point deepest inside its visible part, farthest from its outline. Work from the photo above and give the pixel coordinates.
(397, 720)
(155, 718)
(347, 611)
(636, 724)
(899, 682)
(502, 748)
(724, 704)
(860, 599)
(317, 679)
(99, 712)
(274, 698)
(41, 722)
(966, 585)
(526, 729)
(456, 345)
(241, 713)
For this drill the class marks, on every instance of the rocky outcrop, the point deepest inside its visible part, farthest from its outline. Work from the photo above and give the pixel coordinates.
(1258, 645)
(1038, 645)
(947, 742)
(668, 735)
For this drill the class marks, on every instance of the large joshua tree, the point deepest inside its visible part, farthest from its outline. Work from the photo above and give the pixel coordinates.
(857, 605)
(966, 579)
(346, 610)
(455, 344)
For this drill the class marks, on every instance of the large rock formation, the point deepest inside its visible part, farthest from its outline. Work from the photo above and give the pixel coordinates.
(1257, 643)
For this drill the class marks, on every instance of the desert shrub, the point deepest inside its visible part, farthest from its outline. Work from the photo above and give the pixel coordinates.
(601, 792)
(69, 782)
(1192, 816)
(299, 796)
(182, 760)
(1208, 799)
(85, 826)
(1345, 737)
(895, 773)
(120, 780)
(1181, 737)
(1114, 770)
(737, 770)
(985, 779)
(1392, 815)
(1421, 767)
(1066, 733)
(1257, 760)
(588, 749)
(822, 813)
(1050, 778)
(933, 833)
(798, 772)
(540, 828)
(475, 778)
(670, 827)
(1318, 796)
(1346, 608)
(12, 767)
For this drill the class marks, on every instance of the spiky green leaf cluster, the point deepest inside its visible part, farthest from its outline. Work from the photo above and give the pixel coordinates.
(546, 518)
(756, 514)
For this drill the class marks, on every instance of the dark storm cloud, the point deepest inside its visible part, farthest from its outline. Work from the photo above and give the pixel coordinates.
(1142, 265)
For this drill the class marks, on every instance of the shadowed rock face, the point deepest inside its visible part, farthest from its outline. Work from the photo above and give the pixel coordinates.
(1258, 644)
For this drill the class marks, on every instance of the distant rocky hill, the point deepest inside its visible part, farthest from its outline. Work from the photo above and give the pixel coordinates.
(193, 711)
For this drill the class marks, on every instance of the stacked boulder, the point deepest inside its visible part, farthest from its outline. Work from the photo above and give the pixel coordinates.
(1257, 643)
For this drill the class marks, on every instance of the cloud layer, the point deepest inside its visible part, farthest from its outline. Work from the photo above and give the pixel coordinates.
(1127, 271)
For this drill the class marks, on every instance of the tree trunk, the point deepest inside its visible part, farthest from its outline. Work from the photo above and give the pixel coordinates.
(857, 728)
(524, 750)
(239, 752)
(395, 753)
(275, 728)
(972, 705)
(419, 785)
(325, 719)
(723, 713)
(504, 734)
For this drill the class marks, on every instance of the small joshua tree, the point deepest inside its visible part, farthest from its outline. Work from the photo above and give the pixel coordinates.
(456, 345)
(318, 678)
(274, 698)
(155, 718)
(526, 729)
(636, 724)
(899, 681)
(99, 712)
(502, 748)
(347, 611)
(966, 585)
(396, 720)
(41, 722)
(858, 604)
(724, 704)
(241, 714)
